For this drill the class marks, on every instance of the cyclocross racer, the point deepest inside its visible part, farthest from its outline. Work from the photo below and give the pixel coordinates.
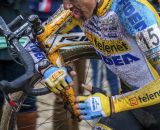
(126, 35)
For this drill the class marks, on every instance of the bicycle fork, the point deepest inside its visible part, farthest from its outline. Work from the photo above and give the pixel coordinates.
(69, 100)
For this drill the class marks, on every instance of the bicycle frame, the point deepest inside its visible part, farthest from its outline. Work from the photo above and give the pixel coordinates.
(65, 40)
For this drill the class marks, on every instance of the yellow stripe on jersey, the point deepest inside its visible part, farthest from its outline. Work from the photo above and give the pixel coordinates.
(102, 9)
(146, 3)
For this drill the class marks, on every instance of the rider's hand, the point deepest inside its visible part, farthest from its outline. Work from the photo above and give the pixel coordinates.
(94, 106)
(56, 78)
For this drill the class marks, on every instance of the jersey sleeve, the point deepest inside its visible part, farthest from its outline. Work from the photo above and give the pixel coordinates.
(36, 53)
(141, 21)
(143, 97)
(34, 50)
(137, 15)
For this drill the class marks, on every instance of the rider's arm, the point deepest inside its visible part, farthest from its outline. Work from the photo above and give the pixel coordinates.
(37, 54)
(55, 77)
(98, 104)
(145, 96)
(143, 23)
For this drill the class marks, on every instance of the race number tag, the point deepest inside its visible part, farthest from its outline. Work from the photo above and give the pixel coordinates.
(149, 38)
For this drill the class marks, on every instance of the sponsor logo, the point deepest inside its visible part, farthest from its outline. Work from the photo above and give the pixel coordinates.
(111, 47)
(73, 39)
(120, 60)
(95, 104)
(134, 18)
(145, 98)
(92, 26)
(108, 47)
(148, 97)
(36, 52)
(56, 75)
(133, 101)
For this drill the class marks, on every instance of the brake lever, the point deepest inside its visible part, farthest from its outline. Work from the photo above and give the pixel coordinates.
(16, 22)
(32, 26)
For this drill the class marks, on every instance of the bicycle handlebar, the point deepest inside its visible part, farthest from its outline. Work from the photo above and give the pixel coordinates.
(19, 83)
(16, 22)
(25, 58)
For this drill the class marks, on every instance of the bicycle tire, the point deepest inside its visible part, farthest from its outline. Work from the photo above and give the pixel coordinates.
(69, 54)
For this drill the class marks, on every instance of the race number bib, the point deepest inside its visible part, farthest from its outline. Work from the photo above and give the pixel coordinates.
(149, 38)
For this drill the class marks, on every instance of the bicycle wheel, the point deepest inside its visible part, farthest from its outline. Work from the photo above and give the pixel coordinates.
(69, 54)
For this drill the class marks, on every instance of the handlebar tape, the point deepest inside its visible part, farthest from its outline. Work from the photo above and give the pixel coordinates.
(18, 84)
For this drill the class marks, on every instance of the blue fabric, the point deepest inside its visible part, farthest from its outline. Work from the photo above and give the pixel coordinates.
(113, 81)
(124, 9)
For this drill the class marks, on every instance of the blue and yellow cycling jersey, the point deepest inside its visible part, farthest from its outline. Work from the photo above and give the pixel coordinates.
(121, 34)
(126, 35)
